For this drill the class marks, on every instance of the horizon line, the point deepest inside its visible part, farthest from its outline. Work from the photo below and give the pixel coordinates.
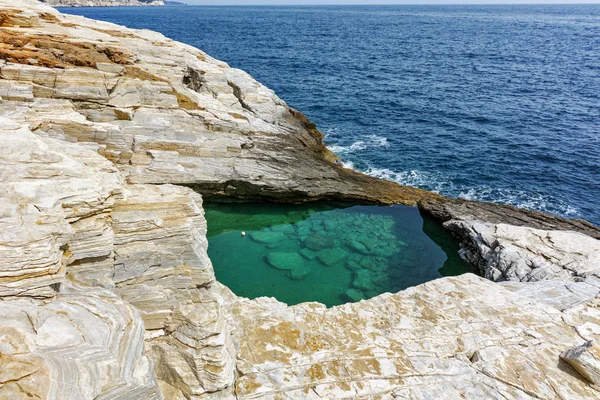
(358, 3)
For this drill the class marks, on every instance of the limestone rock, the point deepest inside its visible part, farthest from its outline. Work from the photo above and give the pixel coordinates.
(67, 217)
(267, 237)
(462, 337)
(285, 260)
(54, 210)
(86, 343)
(330, 257)
(515, 253)
(586, 360)
(98, 121)
(165, 112)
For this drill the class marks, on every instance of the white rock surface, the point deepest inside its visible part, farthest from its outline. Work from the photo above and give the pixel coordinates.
(515, 253)
(452, 338)
(165, 112)
(586, 360)
(59, 340)
(106, 290)
(86, 343)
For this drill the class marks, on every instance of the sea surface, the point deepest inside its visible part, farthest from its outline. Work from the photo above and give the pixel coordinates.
(495, 103)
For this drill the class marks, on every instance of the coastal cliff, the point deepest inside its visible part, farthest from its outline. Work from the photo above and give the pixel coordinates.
(103, 3)
(111, 139)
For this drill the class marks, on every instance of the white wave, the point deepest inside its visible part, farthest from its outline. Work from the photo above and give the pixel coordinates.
(370, 141)
(521, 199)
(434, 182)
(348, 164)
(378, 141)
(439, 183)
(356, 146)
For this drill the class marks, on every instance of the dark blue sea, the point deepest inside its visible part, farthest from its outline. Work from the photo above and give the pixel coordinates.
(495, 103)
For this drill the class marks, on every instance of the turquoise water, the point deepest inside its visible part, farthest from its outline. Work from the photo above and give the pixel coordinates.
(325, 254)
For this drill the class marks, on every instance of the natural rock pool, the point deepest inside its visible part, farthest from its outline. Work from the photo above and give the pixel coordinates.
(316, 252)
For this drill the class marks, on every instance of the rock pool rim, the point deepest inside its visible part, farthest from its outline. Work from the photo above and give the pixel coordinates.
(423, 250)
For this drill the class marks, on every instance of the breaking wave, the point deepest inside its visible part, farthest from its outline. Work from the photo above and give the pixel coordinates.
(442, 184)
(370, 141)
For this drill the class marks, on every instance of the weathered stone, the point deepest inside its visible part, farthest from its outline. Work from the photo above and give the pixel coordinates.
(507, 252)
(461, 337)
(299, 272)
(330, 257)
(267, 236)
(285, 261)
(319, 241)
(87, 208)
(586, 360)
(354, 295)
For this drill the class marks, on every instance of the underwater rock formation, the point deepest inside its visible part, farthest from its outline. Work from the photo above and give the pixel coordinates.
(106, 290)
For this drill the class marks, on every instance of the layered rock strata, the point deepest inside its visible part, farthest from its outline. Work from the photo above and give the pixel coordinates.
(106, 290)
(452, 338)
(165, 112)
(59, 339)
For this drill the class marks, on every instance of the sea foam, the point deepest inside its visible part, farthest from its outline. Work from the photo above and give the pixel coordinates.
(369, 142)
(442, 184)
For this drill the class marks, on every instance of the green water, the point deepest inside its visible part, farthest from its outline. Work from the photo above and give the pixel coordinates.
(299, 253)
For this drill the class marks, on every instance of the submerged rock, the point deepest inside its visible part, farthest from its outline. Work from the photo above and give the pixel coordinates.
(363, 280)
(333, 256)
(287, 229)
(267, 236)
(308, 254)
(319, 241)
(299, 272)
(356, 246)
(354, 295)
(285, 261)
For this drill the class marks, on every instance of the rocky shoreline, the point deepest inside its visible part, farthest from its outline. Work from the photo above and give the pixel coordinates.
(112, 136)
(103, 3)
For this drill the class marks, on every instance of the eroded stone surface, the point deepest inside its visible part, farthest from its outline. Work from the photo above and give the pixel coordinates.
(461, 337)
(86, 343)
(165, 112)
(98, 121)
(586, 360)
(67, 216)
(515, 253)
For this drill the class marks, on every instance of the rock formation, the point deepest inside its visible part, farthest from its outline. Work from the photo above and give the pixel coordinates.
(109, 138)
(103, 3)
